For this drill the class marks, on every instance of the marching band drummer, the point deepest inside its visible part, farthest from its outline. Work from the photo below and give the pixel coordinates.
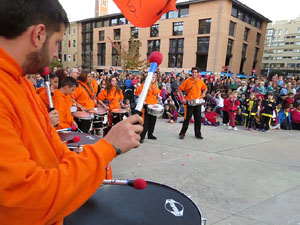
(62, 103)
(195, 89)
(84, 94)
(112, 93)
(54, 82)
(149, 120)
(114, 97)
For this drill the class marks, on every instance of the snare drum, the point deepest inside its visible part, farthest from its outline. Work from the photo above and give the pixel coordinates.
(100, 117)
(155, 110)
(73, 109)
(84, 121)
(195, 102)
(156, 204)
(85, 139)
(119, 115)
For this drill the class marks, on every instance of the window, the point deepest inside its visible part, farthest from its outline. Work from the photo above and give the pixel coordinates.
(74, 31)
(101, 35)
(116, 59)
(258, 38)
(256, 54)
(204, 26)
(279, 33)
(229, 47)
(203, 45)
(296, 50)
(244, 51)
(65, 57)
(74, 58)
(253, 21)
(173, 14)
(117, 34)
(153, 45)
(297, 43)
(231, 28)
(183, 12)
(104, 3)
(164, 16)
(246, 32)
(247, 19)
(101, 54)
(74, 43)
(241, 15)
(154, 30)
(234, 12)
(134, 32)
(176, 53)
(114, 22)
(271, 32)
(122, 20)
(298, 29)
(286, 31)
(106, 23)
(177, 28)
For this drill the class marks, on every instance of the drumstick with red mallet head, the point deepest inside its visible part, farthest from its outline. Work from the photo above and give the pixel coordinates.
(73, 140)
(138, 184)
(155, 60)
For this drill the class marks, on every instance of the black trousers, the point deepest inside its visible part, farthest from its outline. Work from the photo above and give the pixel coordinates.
(296, 126)
(249, 121)
(196, 112)
(265, 122)
(285, 125)
(149, 124)
(225, 117)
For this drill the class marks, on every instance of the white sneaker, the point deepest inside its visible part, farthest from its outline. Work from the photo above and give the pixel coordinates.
(235, 128)
(230, 128)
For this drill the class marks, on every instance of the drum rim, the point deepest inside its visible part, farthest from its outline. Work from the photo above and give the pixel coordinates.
(122, 111)
(173, 188)
(104, 111)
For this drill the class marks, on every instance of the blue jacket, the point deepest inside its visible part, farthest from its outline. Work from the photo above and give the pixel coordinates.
(282, 116)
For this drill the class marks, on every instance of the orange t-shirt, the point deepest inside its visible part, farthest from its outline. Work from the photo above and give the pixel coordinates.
(43, 95)
(42, 181)
(95, 86)
(194, 87)
(62, 103)
(152, 94)
(114, 97)
(82, 97)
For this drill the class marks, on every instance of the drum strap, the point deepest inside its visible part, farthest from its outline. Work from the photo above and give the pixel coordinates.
(92, 97)
(191, 88)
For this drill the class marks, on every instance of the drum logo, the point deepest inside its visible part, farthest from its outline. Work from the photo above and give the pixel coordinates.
(174, 207)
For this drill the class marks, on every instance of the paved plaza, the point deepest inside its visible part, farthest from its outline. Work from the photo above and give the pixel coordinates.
(235, 177)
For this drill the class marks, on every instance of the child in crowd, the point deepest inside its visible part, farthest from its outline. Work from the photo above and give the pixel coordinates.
(289, 100)
(257, 116)
(172, 114)
(225, 112)
(219, 103)
(267, 112)
(296, 116)
(127, 106)
(274, 122)
(285, 119)
(232, 106)
(210, 117)
(239, 118)
(251, 106)
(163, 93)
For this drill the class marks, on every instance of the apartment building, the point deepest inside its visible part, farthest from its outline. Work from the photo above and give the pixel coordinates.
(214, 35)
(282, 48)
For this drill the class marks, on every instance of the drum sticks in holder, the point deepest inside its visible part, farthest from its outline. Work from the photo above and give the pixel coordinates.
(155, 60)
(138, 184)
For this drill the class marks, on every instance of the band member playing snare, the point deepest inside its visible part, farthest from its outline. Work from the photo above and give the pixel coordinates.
(42, 181)
(112, 94)
(84, 94)
(63, 102)
(195, 90)
(149, 120)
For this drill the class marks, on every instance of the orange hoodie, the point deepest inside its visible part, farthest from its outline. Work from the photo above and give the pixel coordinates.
(151, 96)
(114, 97)
(41, 180)
(43, 94)
(62, 103)
(82, 97)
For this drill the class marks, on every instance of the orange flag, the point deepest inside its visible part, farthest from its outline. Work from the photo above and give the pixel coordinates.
(144, 13)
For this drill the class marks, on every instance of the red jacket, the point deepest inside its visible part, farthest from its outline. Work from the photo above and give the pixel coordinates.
(295, 116)
(211, 117)
(232, 105)
(225, 107)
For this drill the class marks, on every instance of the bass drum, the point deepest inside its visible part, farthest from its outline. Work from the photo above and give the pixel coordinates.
(156, 204)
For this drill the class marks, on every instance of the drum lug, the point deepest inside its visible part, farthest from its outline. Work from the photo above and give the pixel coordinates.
(204, 220)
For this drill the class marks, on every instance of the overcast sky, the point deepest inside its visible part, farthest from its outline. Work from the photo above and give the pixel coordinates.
(272, 9)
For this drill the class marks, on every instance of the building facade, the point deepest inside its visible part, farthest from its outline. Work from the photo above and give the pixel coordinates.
(211, 34)
(101, 7)
(68, 50)
(282, 48)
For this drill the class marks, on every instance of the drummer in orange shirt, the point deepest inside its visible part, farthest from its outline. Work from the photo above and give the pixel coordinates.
(42, 181)
(84, 94)
(63, 102)
(54, 81)
(149, 120)
(195, 89)
(113, 96)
